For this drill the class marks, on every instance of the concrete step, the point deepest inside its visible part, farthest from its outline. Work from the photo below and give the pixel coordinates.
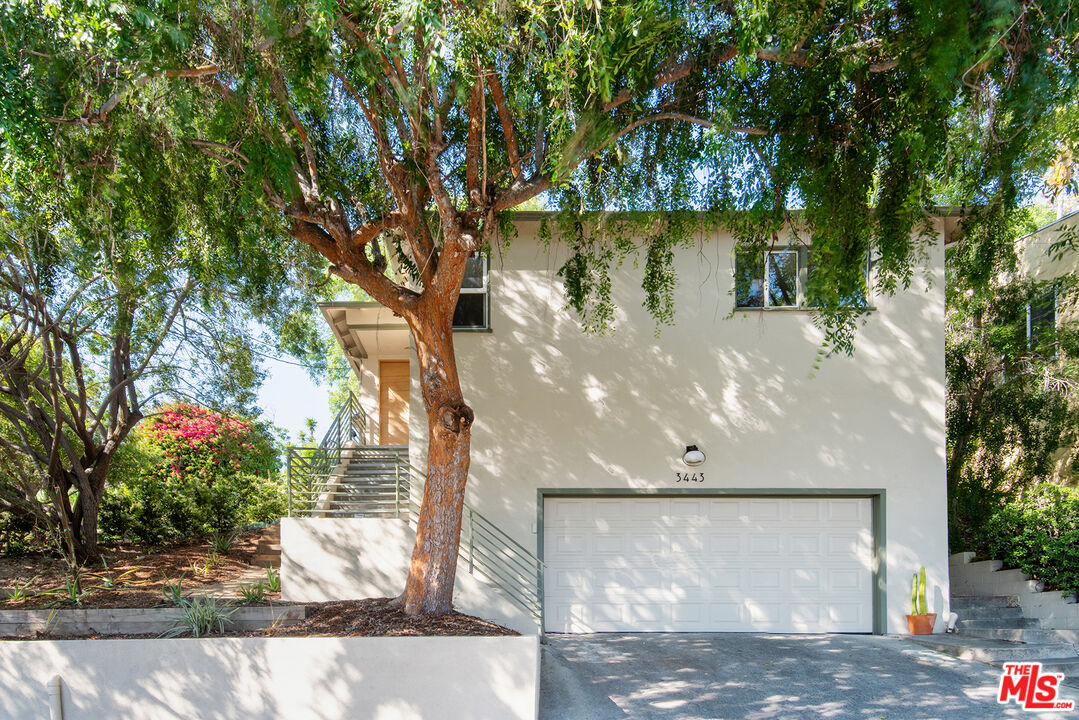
(986, 565)
(373, 481)
(1068, 665)
(961, 603)
(1015, 622)
(978, 614)
(1029, 636)
(388, 476)
(994, 652)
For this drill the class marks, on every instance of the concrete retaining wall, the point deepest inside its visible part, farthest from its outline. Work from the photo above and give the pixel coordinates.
(470, 678)
(352, 558)
(1055, 610)
(134, 621)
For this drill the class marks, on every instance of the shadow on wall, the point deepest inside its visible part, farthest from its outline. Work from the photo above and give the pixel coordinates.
(559, 408)
(315, 678)
(326, 559)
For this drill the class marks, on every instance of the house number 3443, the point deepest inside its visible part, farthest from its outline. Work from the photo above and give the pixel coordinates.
(697, 477)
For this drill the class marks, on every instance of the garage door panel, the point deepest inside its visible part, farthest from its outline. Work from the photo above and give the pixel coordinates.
(607, 544)
(846, 510)
(764, 511)
(738, 564)
(651, 510)
(727, 511)
(805, 579)
(722, 545)
(805, 511)
(564, 511)
(651, 543)
(765, 545)
(805, 545)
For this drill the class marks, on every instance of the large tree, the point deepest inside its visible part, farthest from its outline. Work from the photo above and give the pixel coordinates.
(1010, 350)
(406, 130)
(102, 318)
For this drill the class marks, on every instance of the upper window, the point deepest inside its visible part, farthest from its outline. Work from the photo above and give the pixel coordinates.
(1042, 321)
(779, 278)
(473, 308)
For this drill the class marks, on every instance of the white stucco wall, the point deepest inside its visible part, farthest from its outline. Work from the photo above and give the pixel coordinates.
(326, 559)
(1035, 260)
(399, 678)
(556, 408)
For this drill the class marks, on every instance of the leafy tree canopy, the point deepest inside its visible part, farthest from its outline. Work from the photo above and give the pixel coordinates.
(392, 138)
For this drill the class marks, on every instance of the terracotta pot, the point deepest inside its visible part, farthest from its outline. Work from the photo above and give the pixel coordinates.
(921, 624)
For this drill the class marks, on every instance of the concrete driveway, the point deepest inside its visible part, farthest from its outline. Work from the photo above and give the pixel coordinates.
(764, 677)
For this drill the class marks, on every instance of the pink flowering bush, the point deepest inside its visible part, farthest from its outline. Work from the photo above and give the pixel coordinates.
(193, 471)
(199, 442)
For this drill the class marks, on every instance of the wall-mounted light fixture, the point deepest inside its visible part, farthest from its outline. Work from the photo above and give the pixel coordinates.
(693, 457)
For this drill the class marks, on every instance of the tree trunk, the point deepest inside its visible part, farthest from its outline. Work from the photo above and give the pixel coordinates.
(429, 588)
(86, 549)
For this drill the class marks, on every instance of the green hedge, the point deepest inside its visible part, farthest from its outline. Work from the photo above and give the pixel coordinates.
(155, 507)
(1039, 534)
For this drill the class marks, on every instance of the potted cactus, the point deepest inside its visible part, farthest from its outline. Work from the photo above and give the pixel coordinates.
(919, 621)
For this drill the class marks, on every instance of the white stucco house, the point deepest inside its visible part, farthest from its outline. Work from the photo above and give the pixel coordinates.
(821, 490)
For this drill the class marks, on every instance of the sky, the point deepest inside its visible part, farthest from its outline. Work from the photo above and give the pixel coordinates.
(288, 397)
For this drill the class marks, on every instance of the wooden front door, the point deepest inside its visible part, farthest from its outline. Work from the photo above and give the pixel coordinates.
(393, 392)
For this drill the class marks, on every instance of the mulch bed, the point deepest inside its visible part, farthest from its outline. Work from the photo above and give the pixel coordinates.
(131, 576)
(380, 617)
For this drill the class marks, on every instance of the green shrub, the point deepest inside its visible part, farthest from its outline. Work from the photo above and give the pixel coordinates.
(193, 472)
(1039, 534)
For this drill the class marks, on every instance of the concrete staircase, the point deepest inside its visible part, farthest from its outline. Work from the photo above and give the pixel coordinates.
(370, 484)
(268, 551)
(993, 630)
(1004, 616)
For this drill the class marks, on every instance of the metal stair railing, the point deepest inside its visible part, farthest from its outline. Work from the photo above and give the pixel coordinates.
(310, 471)
(488, 552)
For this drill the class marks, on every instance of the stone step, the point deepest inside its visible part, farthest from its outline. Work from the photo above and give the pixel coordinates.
(266, 561)
(994, 652)
(265, 547)
(1014, 622)
(966, 602)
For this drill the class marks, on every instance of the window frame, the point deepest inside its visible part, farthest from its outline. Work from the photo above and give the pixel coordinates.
(803, 304)
(485, 290)
(1052, 291)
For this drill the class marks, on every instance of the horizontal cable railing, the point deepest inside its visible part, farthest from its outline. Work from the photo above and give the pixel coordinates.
(380, 482)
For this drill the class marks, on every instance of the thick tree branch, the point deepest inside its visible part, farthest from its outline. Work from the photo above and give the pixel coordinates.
(506, 119)
(356, 269)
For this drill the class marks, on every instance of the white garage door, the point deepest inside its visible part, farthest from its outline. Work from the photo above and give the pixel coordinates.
(667, 564)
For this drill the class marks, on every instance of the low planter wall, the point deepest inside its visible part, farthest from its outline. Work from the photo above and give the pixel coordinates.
(134, 621)
(380, 678)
